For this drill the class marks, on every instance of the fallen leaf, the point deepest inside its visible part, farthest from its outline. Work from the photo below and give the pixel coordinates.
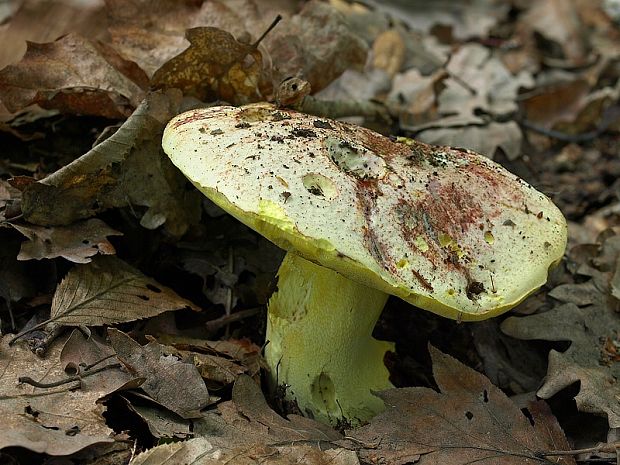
(108, 291)
(127, 169)
(169, 381)
(315, 44)
(557, 102)
(216, 66)
(162, 423)
(482, 139)
(246, 430)
(77, 242)
(81, 352)
(469, 420)
(467, 20)
(558, 21)
(244, 354)
(484, 83)
(176, 453)
(479, 83)
(43, 21)
(588, 319)
(58, 420)
(73, 75)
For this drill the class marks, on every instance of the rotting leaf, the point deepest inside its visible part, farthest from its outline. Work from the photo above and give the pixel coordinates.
(127, 169)
(108, 291)
(469, 420)
(594, 333)
(216, 66)
(56, 420)
(175, 384)
(73, 75)
(77, 242)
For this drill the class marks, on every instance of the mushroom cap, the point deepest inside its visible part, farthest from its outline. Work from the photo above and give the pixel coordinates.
(445, 229)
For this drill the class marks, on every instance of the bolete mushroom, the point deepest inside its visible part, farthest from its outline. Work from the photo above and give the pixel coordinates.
(362, 217)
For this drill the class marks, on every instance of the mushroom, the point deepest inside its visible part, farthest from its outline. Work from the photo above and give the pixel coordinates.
(362, 217)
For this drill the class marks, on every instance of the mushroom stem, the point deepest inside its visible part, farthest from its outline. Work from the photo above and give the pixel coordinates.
(320, 347)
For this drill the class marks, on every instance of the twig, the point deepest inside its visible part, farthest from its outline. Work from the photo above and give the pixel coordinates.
(609, 117)
(342, 108)
(271, 26)
(224, 320)
(70, 379)
(603, 447)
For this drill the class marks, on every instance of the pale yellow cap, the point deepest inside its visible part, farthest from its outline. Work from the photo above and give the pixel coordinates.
(446, 229)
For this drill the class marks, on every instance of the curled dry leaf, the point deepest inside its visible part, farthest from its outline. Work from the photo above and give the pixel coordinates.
(586, 317)
(77, 242)
(108, 291)
(469, 420)
(55, 420)
(175, 384)
(73, 75)
(216, 66)
(127, 169)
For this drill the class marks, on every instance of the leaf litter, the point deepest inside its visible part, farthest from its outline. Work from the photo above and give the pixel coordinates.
(534, 85)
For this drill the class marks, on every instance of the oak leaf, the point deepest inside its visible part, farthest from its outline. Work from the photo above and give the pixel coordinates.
(469, 420)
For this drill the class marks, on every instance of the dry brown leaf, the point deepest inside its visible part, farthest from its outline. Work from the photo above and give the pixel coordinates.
(242, 353)
(588, 319)
(558, 21)
(77, 242)
(554, 103)
(200, 450)
(175, 384)
(316, 44)
(193, 451)
(469, 420)
(45, 20)
(127, 169)
(108, 291)
(73, 75)
(80, 351)
(57, 420)
(216, 66)
(162, 423)
(247, 431)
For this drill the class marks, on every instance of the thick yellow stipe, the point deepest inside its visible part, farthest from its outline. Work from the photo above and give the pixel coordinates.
(320, 343)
